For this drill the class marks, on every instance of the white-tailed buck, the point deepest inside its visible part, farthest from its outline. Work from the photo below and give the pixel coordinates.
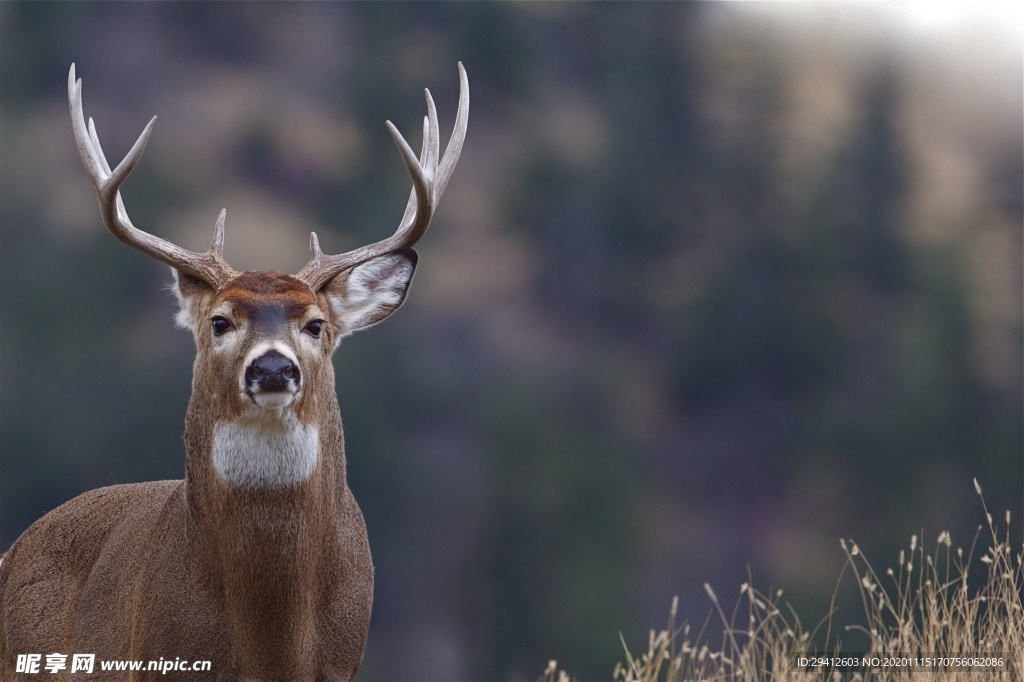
(258, 560)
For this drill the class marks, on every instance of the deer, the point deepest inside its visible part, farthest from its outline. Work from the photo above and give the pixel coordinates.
(258, 560)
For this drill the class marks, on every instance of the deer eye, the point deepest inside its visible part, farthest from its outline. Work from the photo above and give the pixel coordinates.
(221, 325)
(314, 328)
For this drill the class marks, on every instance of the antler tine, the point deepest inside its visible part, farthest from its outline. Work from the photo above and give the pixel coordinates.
(410, 231)
(432, 141)
(429, 177)
(209, 266)
(454, 148)
(410, 206)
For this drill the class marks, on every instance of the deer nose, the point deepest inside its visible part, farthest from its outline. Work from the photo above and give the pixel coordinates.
(272, 371)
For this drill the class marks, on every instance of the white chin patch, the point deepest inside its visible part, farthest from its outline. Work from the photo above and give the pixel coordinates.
(265, 453)
(274, 400)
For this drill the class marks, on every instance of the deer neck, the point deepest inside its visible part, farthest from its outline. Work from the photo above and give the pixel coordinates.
(266, 497)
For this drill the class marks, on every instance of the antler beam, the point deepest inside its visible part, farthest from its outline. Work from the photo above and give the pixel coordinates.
(429, 179)
(210, 266)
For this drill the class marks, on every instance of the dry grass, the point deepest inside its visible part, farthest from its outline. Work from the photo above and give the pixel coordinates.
(923, 607)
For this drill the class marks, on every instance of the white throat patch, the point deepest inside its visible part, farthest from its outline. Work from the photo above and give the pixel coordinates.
(260, 454)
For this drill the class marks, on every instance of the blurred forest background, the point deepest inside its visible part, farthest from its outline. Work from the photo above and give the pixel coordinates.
(712, 287)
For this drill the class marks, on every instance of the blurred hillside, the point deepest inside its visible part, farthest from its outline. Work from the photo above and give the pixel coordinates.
(712, 286)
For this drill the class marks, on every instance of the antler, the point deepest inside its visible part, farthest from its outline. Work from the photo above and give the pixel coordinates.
(429, 179)
(210, 266)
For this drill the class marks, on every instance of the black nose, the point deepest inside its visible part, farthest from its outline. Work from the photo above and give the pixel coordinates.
(272, 371)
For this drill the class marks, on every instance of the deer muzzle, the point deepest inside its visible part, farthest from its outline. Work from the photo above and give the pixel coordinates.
(272, 379)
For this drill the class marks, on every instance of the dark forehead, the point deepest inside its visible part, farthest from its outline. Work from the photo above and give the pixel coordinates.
(252, 292)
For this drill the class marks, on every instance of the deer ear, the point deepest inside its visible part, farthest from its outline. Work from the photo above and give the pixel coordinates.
(187, 289)
(367, 293)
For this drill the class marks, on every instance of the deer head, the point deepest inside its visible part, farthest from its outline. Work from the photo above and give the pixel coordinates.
(263, 339)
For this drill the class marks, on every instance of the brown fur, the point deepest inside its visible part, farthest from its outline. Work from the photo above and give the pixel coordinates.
(268, 584)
